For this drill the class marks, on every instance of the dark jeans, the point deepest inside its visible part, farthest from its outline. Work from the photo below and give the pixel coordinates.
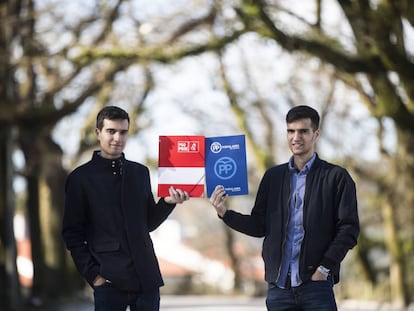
(310, 296)
(109, 298)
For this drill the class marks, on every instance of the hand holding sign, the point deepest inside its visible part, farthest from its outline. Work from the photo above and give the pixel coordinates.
(218, 199)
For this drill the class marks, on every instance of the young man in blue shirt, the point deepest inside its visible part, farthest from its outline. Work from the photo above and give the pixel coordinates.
(306, 210)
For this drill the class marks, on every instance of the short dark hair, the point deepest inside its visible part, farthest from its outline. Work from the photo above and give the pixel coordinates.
(303, 112)
(110, 113)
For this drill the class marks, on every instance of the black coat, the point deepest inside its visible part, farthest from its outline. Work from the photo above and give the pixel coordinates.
(330, 218)
(109, 213)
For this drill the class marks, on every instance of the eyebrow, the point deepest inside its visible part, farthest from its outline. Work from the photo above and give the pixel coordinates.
(301, 129)
(115, 130)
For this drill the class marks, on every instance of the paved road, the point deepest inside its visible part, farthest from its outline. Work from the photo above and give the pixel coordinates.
(192, 303)
(206, 303)
(203, 303)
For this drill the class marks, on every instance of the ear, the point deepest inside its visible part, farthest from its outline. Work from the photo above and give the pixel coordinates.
(97, 132)
(317, 133)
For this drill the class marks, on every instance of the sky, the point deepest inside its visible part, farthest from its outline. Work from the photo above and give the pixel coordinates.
(188, 98)
(188, 101)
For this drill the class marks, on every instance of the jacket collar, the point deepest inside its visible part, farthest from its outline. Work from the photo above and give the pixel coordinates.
(115, 165)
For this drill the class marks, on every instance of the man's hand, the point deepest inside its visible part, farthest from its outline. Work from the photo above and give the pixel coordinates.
(99, 280)
(177, 196)
(218, 199)
(318, 276)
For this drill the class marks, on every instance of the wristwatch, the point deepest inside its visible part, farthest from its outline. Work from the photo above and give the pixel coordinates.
(323, 270)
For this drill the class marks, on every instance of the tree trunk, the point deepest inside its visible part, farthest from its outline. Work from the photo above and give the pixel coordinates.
(234, 260)
(399, 217)
(51, 187)
(397, 275)
(35, 237)
(45, 179)
(10, 294)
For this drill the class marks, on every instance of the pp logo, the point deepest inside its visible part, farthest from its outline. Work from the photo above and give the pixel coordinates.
(225, 168)
(215, 147)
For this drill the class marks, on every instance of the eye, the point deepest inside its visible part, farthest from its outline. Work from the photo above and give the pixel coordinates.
(111, 131)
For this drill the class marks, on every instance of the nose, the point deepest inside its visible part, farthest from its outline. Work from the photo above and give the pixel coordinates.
(117, 136)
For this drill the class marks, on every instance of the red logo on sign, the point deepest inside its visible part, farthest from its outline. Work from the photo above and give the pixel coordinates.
(188, 146)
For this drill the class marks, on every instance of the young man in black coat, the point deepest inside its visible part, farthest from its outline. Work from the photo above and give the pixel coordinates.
(306, 210)
(109, 214)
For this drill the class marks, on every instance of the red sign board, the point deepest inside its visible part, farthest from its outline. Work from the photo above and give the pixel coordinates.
(181, 164)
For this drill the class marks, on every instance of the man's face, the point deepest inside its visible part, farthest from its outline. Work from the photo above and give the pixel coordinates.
(301, 137)
(112, 138)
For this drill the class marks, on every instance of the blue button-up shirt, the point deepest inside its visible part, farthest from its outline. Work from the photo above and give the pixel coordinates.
(295, 231)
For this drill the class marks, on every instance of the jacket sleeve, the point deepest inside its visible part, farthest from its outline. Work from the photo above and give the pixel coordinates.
(253, 224)
(347, 222)
(74, 229)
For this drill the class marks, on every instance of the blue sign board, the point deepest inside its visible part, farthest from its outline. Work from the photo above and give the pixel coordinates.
(226, 164)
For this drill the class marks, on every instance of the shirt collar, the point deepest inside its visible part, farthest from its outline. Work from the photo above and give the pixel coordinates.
(307, 166)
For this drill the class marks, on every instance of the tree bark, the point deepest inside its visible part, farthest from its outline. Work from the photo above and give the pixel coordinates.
(10, 293)
(45, 179)
(234, 260)
(397, 276)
